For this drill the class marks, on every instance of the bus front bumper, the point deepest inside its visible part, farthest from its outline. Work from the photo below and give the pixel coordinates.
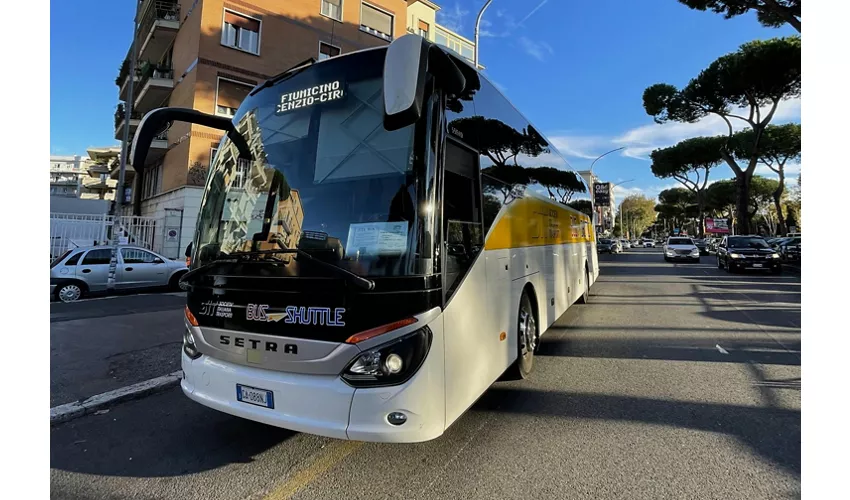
(324, 404)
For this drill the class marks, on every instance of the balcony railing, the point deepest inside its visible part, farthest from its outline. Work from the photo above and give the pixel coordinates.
(119, 115)
(158, 10)
(148, 71)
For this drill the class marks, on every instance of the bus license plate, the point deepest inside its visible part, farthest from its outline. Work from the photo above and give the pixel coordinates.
(254, 396)
(758, 265)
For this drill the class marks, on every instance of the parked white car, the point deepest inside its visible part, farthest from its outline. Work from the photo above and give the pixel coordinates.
(85, 270)
(648, 244)
(681, 248)
(626, 244)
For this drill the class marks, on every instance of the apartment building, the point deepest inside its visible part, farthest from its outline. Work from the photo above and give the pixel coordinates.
(66, 173)
(422, 21)
(208, 54)
(80, 177)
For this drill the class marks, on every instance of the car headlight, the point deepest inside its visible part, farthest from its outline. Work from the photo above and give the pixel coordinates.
(189, 345)
(392, 363)
(695, 251)
(735, 255)
(670, 252)
(774, 256)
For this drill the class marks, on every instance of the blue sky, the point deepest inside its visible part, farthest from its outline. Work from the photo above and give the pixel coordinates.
(577, 70)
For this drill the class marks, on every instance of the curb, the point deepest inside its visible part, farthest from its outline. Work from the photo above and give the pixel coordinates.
(70, 411)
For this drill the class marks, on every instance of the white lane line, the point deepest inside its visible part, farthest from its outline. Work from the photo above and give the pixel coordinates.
(722, 350)
(69, 411)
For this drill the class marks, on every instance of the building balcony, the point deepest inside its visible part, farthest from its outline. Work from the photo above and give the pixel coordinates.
(155, 87)
(135, 118)
(159, 22)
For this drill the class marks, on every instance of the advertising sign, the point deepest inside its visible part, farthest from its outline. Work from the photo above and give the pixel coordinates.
(719, 226)
(602, 194)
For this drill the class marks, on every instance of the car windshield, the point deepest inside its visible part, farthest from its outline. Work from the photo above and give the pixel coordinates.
(326, 177)
(680, 241)
(747, 242)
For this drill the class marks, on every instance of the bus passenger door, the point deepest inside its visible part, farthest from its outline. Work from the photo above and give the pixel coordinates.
(469, 337)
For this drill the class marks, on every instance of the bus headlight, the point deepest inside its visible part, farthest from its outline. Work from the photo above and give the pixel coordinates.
(392, 363)
(189, 345)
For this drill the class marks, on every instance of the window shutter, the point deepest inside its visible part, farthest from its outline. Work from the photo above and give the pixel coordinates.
(242, 21)
(376, 20)
(423, 25)
(231, 94)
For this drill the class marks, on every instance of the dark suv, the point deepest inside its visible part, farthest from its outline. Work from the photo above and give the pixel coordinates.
(737, 253)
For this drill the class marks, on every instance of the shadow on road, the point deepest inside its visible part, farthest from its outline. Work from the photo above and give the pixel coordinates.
(739, 351)
(174, 439)
(772, 433)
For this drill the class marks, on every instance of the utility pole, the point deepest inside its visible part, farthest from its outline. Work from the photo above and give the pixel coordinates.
(477, 25)
(612, 188)
(125, 150)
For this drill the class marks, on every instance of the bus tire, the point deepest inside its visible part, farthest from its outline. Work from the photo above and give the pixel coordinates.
(527, 339)
(584, 298)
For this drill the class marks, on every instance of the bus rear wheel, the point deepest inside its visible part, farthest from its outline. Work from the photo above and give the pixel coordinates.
(527, 338)
(584, 298)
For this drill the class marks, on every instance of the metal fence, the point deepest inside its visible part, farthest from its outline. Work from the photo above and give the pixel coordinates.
(78, 230)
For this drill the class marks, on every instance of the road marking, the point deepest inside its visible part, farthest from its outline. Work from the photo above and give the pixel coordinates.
(94, 404)
(332, 454)
(722, 350)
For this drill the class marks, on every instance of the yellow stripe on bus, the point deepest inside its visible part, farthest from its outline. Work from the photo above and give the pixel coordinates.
(530, 222)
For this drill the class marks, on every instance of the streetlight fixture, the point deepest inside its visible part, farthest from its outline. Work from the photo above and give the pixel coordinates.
(604, 154)
(477, 25)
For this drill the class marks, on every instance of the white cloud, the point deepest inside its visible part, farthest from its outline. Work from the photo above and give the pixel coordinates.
(640, 141)
(792, 170)
(577, 146)
(452, 17)
(538, 50)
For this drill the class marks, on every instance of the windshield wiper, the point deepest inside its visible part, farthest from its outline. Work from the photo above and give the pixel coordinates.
(356, 279)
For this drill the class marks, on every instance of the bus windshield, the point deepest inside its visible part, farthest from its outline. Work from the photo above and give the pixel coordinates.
(325, 177)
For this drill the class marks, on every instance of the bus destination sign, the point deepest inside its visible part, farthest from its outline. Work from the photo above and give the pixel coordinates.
(303, 98)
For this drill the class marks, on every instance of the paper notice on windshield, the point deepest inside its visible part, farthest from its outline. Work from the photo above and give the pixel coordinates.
(377, 238)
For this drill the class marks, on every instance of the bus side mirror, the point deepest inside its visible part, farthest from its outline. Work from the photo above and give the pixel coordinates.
(154, 121)
(408, 61)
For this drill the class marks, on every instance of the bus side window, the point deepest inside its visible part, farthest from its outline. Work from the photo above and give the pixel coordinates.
(461, 213)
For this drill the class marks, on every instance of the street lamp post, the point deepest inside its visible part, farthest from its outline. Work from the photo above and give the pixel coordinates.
(125, 151)
(477, 25)
(612, 188)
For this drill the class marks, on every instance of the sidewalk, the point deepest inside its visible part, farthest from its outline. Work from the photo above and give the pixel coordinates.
(111, 344)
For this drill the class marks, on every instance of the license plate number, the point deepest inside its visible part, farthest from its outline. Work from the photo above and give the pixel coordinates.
(758, 265)
(254, 396)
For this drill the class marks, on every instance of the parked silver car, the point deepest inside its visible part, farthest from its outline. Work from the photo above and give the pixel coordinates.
(86, 269)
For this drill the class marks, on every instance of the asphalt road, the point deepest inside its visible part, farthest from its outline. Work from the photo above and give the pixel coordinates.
(103, 344)
(678, 381)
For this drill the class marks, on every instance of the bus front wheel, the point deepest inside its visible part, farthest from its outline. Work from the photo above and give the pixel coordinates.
(527, 338)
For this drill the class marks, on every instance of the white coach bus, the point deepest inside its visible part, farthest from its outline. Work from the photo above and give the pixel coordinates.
(370, 254)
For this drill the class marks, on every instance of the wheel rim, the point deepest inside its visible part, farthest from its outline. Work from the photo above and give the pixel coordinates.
(527, 334)
(69, 293)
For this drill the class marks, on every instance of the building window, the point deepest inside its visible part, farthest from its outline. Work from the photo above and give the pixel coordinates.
(241, 32)
(376, 21)
(326, 51)
(442, 38)
(213, 151)
(423, 29)
(466, 51)
(332, 9)
(152, 182)
(229, 95)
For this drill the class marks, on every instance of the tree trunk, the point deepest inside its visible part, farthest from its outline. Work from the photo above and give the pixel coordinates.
(777, 197)
(742, 209)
